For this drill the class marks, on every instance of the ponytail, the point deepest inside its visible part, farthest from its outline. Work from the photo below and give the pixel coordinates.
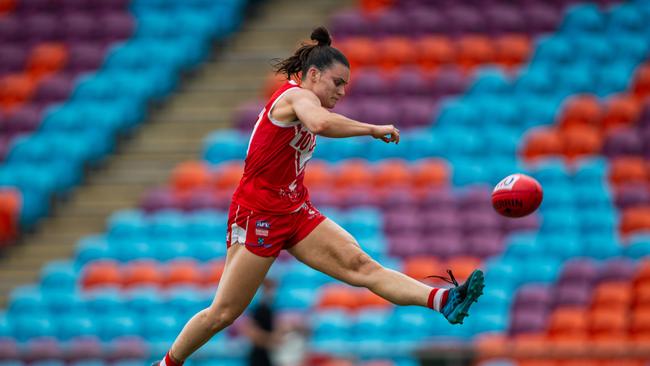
(321, 55)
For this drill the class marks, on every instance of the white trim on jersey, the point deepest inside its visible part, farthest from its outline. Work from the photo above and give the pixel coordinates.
(275, 121)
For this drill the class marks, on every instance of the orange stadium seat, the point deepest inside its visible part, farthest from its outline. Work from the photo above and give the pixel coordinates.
(512, 50)
(102, 273)
(568, 343)
(620, 110)
(607, 322)
(474, 50)
(396, 52)
(46, 59)
(641, 84)
(368, 299)
(212, 272)
(421, 267)
(435, 51)
(640, 323)
(578, 362)
(142, 272)
(228, 175)
(429, 173)
(492, 345)
(635, 219)
(391, 172)
(642, 276)
(462, 267)
(530, 345)
(190, 175)
(580, 141)
(352, 173)
(542, 142)
(628, 170)
(6, 6)
(273, 82)
(642, 295)
(619, 362)
(319, 175)
(182, 272)
(568, 321)
(581, 110)
(537, 362)
(15, 89)
(9, 211)
(338, 296)
(614, 295)
(360, 51)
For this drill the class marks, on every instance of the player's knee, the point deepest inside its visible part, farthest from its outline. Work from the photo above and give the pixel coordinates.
(219, 318)
(362, 268)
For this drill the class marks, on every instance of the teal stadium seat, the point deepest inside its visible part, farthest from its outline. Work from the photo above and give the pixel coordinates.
(490, 82)
(626, 19)
(5, 326)
(554, 50)
(59, 276)
(184, 302)
(599, 246)
(63, 302)
(422, 143)
(583, 19)
(31, 326)
(104, 302)
(110, 327)
(160, 327)
(521, 246)
(26, 300)
(76, 325)
(638, 246)
(224, 145)
(145, 301)
(166, 225)
(92, 248)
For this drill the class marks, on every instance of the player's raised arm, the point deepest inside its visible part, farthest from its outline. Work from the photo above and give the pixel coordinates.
(319, 120)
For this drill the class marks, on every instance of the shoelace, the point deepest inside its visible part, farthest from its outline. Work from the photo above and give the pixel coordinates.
(451, 278)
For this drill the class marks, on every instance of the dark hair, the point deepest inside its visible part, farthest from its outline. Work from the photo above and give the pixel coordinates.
(321, 55)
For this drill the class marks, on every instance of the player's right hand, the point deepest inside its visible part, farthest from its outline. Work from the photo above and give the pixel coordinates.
(386, 133)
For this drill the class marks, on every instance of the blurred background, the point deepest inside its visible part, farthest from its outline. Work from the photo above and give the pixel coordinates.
(123, 125)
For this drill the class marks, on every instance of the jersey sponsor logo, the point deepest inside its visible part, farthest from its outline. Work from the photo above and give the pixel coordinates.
(262, 228)
(304, 142)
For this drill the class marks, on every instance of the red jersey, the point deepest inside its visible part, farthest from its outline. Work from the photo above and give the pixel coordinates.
(275, 162)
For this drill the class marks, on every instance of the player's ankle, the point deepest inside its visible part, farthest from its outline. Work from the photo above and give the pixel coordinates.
(169, 360)
(437, 298)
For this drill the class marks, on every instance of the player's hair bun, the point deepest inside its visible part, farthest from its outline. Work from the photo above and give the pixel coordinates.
(322, 36)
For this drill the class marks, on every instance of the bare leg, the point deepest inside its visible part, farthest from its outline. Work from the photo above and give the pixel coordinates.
(333, 251)
(243, 274)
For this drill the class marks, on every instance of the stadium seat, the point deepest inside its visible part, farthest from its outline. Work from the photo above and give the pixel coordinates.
(182, 272)
(338, 297)
(143, 272)
(435, 51)
(46, 59)
(101, 273)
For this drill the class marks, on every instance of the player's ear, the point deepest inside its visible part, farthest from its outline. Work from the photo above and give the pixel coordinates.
(313, 74)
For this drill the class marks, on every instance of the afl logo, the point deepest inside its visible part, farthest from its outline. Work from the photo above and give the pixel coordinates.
(507, 183)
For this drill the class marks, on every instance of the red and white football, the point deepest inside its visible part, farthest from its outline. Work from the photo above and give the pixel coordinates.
(517, 195)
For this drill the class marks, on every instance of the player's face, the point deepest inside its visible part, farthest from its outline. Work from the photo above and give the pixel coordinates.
(330, 84)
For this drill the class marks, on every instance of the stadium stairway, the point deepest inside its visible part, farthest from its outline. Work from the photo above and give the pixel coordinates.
(173, 134)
